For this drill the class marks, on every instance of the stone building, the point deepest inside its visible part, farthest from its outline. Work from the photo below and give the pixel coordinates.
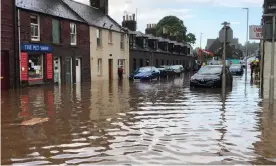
(150, 50)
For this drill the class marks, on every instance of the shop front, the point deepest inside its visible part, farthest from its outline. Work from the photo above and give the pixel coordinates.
(36, 64)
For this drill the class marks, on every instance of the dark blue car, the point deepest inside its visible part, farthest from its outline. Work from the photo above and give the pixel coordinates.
(145, 73)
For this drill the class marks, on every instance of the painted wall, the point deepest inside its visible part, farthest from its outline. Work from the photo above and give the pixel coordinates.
(108, 51)
(267, 69)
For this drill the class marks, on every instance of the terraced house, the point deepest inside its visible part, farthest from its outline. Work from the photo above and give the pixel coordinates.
(54, 43)
(108, 40)
(149, 50)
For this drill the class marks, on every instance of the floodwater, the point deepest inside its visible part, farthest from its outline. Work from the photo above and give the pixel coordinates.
(160, 123)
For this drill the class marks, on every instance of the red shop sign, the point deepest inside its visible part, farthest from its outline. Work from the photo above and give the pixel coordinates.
(24, 66)
(49, 66)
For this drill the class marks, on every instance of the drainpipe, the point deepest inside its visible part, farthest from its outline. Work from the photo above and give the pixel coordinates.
(19, 48)
(16, 52)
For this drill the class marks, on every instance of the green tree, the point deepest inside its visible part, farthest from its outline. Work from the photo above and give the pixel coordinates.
(190, 38)
(173, 26)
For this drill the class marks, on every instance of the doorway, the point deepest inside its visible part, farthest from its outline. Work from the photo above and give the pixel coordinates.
(68, 70)
(57, 70)
(110, 67)
(4, 70)
(78, 70)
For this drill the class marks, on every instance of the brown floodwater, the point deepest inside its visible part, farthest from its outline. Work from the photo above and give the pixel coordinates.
(159, 122)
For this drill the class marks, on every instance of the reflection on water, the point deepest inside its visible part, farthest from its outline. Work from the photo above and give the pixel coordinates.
(159, 122)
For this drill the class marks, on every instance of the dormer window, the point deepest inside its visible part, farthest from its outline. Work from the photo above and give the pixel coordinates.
(145, 43)
(166, 46)
(132, 41)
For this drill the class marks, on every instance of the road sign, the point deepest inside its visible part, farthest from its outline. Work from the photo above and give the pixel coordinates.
(229, 34)
(255, 32)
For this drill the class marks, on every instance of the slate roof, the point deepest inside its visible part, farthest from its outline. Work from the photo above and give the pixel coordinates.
(93, 16)
(51, 7)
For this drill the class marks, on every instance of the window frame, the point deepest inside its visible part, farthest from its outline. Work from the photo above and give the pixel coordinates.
(99, 37)
(122, 41)
(71, 33)
(35, 38)
(110, 37)
(99, 66)
(59, 29)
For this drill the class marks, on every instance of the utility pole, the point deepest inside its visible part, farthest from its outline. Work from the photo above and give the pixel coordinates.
(225, 24)
(246, 47)
(271, 77)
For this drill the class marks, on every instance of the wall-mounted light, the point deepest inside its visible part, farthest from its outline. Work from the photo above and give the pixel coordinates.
(111, 26)
(103, 24)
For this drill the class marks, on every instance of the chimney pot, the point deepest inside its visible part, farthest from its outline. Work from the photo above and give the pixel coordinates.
(133, 17)
(124, 18)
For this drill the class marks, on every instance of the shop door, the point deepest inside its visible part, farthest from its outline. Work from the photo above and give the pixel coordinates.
(68, 70)
(4, 70)
(110, 67)
(78, 70)
(57, 70)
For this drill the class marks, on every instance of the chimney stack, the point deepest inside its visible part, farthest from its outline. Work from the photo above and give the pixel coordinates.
(129, 22)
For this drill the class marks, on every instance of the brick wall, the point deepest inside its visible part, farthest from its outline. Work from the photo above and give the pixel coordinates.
(64, 49)
(7, 36)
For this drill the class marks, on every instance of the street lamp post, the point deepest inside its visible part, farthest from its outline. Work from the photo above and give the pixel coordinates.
(225, 24)
(246, 47)
(271, 78)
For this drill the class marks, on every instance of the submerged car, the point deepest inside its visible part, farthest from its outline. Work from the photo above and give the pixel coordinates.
(236, 69)
(163, 72)
(211, 76)
(145, 73)
(177, 69)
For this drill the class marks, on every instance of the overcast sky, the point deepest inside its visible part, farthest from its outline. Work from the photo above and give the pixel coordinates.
(199, 16)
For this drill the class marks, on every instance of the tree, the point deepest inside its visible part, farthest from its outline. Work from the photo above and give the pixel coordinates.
(190, 38)
(173, 26)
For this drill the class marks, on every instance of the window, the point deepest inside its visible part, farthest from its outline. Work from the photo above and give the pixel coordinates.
(56, 31)
(110, 37)
(99, 66)
(168, 62)
(141, 63)
(177, 62)
(122, 41)
(121, 64)
(73, 33)
(145, 43)
(162, 62)
(132, 41)
(99, 37)
(35, 30)
(35, 69)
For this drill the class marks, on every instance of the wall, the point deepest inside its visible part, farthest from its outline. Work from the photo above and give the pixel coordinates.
(104, 53)
(64, 49)
(267, 69)
(7, 36)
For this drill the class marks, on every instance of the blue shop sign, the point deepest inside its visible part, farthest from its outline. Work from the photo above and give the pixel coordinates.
(36, 47)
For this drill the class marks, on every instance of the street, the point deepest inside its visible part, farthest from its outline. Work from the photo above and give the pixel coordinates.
(159, 122)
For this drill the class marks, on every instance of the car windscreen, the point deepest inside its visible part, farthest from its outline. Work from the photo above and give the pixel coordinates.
(235, 67)
(145, 69)
(209, 70)
(175, 67)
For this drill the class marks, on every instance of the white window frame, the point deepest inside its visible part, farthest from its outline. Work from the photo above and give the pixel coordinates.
(35, 38)
(99, 31)
(73, 33)
(99, 65)
(110, 39)
(122, 63)
(122, 41)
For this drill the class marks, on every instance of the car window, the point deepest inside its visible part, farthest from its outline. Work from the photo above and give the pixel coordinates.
(210, 70)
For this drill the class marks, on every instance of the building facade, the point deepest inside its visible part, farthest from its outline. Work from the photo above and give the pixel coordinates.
(8, 53)
(149, 50)
(54, 43)
(108, 42)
